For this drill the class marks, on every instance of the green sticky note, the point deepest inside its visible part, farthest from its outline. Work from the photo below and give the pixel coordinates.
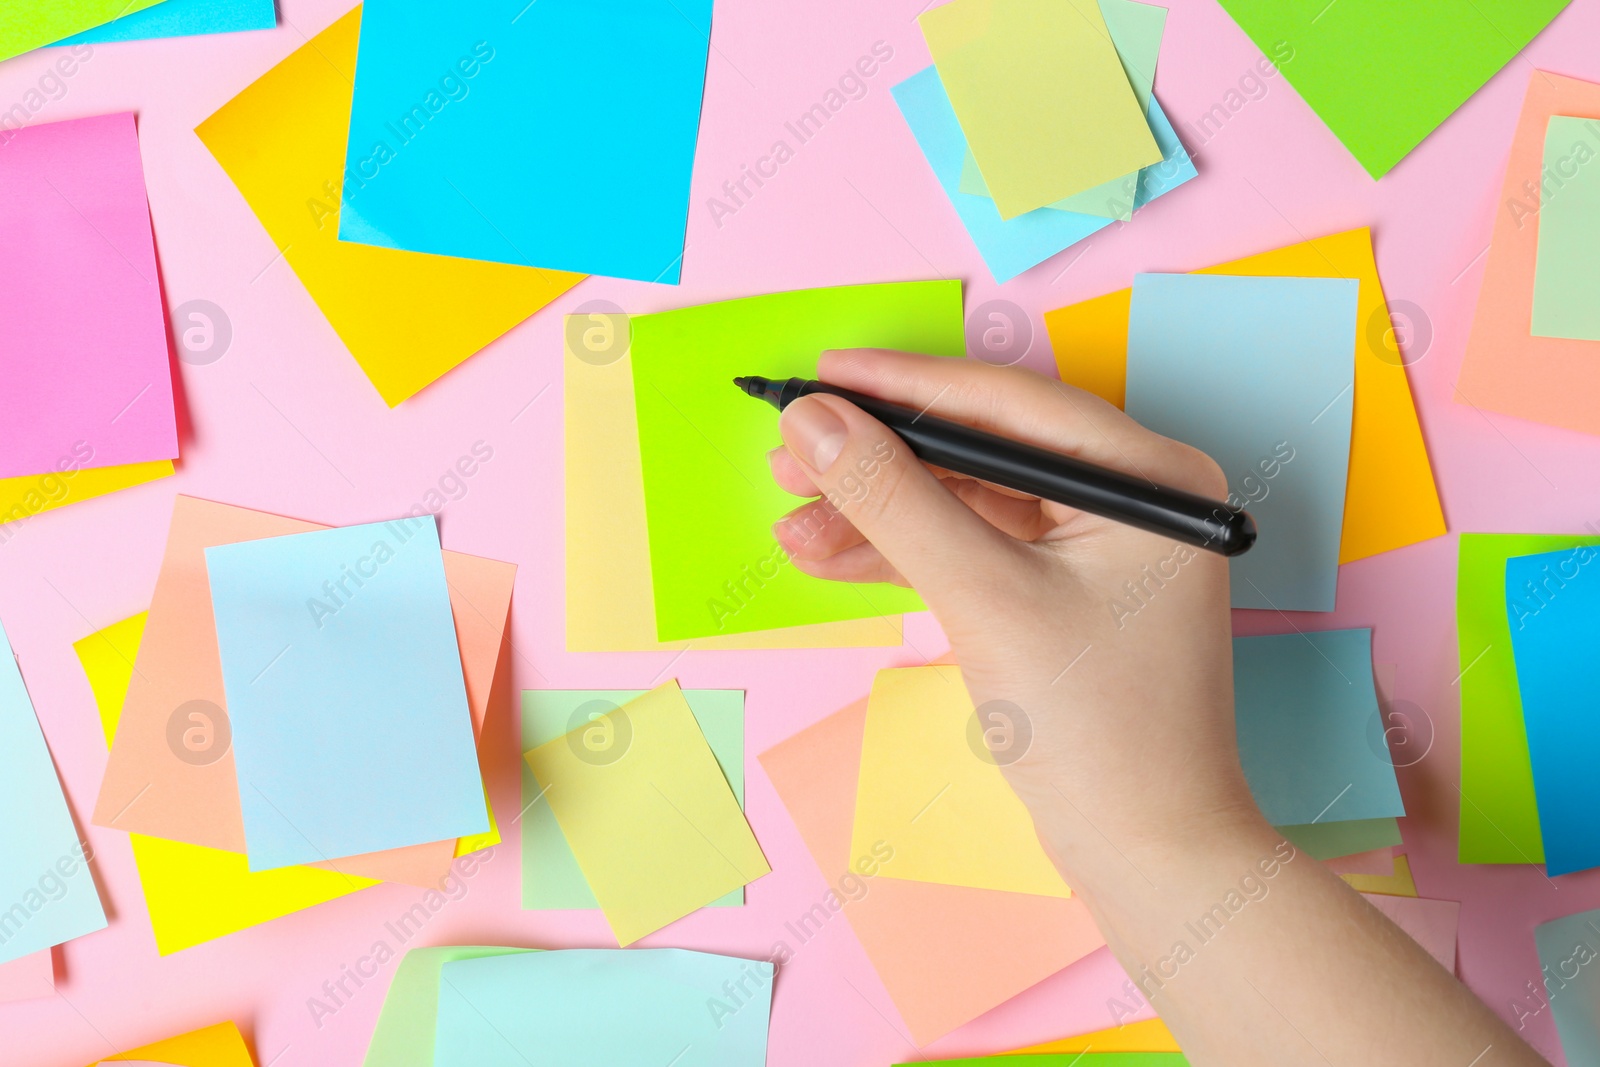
(1331, 840)
(1499, 818)
(30, 24)
(551, 877)
(1567, 276)
(710, 500)
(1066, 1059)
(1383, 75)
(404, 1036)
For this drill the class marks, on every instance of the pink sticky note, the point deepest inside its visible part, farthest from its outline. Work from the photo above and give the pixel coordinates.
(85, 376)
(1430, 923)
(27, 978)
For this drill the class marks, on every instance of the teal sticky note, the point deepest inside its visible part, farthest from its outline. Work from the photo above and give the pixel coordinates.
(620, 1007)
(1259, 373)
(47, 894)
(1566, 274)
(351, 732)
(1569, 956)
(1553, 609)
(1310, 732)
(556, 134)
(551, 878)
(182, 18)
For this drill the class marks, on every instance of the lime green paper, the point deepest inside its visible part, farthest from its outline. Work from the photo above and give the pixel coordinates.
(1568, 273)
(1136, 31)
(551, 878)
(710, 500)
(1334, 840)
(30, 24)
(1384, 73)
(1041, 95)
(1499, 819)
(410, 1015)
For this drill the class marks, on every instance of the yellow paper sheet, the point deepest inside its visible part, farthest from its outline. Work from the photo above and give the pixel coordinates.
(1041, 95)
(610, 601)
(215, 1046)
(1391, 500)
(650, 818)
(24, 497)
(1398, 884)
(1151, 1035)
(405, 316)
(195, 894)
(929, 788)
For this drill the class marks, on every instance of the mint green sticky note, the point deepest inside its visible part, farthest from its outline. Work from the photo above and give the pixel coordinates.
(410, 1016)
(1567, 275)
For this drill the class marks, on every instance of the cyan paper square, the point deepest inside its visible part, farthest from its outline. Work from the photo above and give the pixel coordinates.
(182, 18)
(555, 134)
(351, 732)
(1569, 955)
(1311, 737)
(1259, 373)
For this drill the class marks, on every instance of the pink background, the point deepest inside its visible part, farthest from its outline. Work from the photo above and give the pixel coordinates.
(285, 422)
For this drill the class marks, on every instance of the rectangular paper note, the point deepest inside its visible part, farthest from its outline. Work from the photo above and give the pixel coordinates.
(183, 18)
(1430, 923)
(1567, 275)
(47, 894)
(709, 494)
(409, 1020)
(1553, 608)
(349, 626)
(85, 375)
(1567, 951)
(510, 175)
(1259, 374)
(1398, 883)
(1336, 840)
(1041, 96)
(648, 814)
(30, 25)
(1310, 737)
(24, 497)
(663, 1006)
(406, 318)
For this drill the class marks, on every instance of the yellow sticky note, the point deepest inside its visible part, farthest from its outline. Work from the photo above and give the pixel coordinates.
(1390, 500)
(650, 818)
(24, 497)
(195, 894)
(932, 791)
(1398, 884)
(405, 316)
(1041, 95)
(610, 600)
(215, 1046)
(1151, 1035)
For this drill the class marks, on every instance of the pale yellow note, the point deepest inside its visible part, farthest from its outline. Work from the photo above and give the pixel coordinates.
(930, 788)
(1398, 884)
(650, 818)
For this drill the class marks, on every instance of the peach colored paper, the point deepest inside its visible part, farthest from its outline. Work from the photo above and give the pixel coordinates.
(946, 954)
(1546, 379)
(148, 790)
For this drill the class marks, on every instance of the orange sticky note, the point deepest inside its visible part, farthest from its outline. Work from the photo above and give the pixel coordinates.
(1390, 500)
(1546, 379)
(1151, 1035)
(215, 1046)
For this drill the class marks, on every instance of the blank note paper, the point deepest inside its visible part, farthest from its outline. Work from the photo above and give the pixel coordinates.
(1567, 276)
(49, 893)
(408, 1023)
(85, 376)
(1259, 374)
(183, 18)
(343, 675)
(213, 1046)
(28, 26)
(1568, 948)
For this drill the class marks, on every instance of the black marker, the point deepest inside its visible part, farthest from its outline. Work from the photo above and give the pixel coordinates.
(1160, 509)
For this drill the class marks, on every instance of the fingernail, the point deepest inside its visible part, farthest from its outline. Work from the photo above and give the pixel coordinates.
(783, 535)
(813, 432)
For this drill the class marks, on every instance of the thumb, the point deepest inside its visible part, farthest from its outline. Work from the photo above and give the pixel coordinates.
(934, 540)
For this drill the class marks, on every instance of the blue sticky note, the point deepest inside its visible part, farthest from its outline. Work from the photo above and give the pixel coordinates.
(620, 1007)
(1311, 736)
(1259, 373)
(1569, 956)
(351, 732)
(1011, 246)
(47, 894)
(182, 18)
(556, 134)
(1553, 607)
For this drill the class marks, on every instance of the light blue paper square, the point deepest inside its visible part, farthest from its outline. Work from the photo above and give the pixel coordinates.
(182, 18)
(1259, 373)
(556, 134)
(620, 1007)
(1569, 955)
(1553, 607)
(1311, 736)
(47, 894)
(351, 731)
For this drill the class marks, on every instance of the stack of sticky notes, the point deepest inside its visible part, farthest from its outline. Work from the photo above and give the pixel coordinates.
(1528, 620)
(297, 715)
(1534, 350)
(1039, 121)
(1285, 369)
(473, 1006)
(633, 803)
(86, 394)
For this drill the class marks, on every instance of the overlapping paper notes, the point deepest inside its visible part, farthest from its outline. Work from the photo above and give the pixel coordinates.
(262, 632)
